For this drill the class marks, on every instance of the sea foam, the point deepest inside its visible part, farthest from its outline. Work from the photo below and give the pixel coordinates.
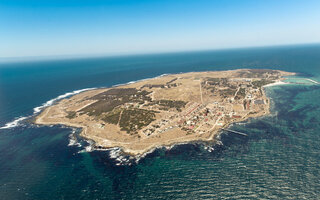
(50, 102)
(14, 123)
(38, 109)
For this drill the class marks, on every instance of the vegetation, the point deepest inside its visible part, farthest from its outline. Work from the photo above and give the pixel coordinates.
(71, 114)
(173, 80)
(260, 83)
(109, 108)
(112, 117)
(256, 73)
(150, 86)
(107, 101)
(167, 104)
(213, 81)
(133, 120)
(241, 93)
(228, 92)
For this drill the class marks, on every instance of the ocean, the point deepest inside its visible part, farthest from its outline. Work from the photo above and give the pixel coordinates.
(280, 158)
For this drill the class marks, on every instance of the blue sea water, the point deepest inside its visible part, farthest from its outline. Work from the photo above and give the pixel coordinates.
(280, 159)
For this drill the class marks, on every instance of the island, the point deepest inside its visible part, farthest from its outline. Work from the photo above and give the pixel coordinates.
(166, 110)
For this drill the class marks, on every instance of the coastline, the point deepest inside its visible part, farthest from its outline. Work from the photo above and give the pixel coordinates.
(37, 110)
(106, 144)
(275, 84)
(42, 110)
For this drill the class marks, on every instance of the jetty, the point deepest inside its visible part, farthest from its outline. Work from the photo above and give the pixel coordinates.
(313, 81)
(236, 132)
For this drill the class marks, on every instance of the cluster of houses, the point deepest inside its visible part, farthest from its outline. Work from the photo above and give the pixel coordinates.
(198, 118)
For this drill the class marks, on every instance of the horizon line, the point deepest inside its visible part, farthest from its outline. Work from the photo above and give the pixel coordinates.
(126, 54)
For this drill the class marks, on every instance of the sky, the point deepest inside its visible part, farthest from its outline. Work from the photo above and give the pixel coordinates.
(112, 27)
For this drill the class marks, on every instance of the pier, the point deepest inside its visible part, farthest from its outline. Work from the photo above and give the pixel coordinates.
(236, 132)
(313, 81)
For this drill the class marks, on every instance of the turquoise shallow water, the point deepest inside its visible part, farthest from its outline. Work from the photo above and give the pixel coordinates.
(278, 160)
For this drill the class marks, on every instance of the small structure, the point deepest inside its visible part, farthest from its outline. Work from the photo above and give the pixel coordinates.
(259, 102)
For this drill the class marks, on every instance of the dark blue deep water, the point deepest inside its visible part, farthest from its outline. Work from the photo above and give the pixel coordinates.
(280, 159)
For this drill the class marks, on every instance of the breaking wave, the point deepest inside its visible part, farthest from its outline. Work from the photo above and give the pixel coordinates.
(14, 123)
(38, 109)
(50, 102)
